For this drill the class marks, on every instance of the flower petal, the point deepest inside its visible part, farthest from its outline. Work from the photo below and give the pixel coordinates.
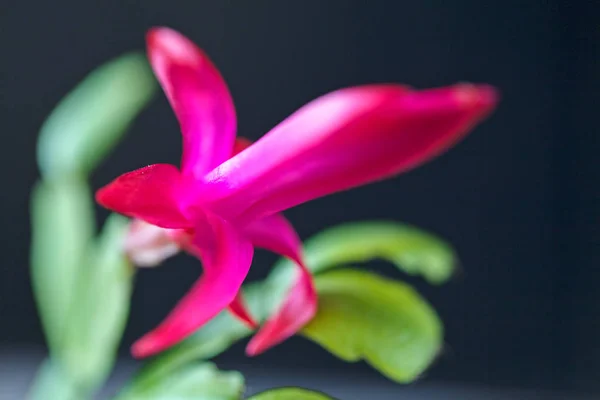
(148, 245)
(226, 256)
(238, 307)
(199, 97)
(298, 309)
(276, 234)
(344, 139)
(148, 193)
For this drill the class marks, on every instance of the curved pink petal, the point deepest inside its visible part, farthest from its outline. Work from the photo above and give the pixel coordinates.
(150, 193)
(148, 245)
(276, 234)
(238, 307)
(226, 256)
(199, 97)
(344, 139)
(298, 309)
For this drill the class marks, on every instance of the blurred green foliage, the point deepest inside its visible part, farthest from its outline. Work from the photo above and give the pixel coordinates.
(82, 283)
(290, 393)
(197, 381)
(385, 322)
(91, 120)
(63, 226)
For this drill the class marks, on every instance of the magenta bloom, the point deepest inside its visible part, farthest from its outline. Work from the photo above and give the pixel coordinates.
(226, 199)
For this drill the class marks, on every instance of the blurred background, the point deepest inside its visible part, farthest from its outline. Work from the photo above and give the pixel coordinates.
(519, 198)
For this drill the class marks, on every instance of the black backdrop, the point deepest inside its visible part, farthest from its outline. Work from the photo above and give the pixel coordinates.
(519, 198)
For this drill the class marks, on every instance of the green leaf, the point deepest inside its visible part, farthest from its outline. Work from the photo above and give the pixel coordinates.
(214, 338)
(98, 316)
(90, 120)
(290, 393)
(410, 249)
(193, 382)
(52, 383)
(62, 230)
(362, 315)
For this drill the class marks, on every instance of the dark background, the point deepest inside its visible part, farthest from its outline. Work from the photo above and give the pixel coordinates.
(519, 198)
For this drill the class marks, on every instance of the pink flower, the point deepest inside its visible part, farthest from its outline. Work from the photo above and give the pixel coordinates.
(220, 205)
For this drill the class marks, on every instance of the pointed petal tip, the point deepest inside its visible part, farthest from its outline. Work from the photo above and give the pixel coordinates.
(152, 33)
(199, 97)
(109, 196)
(280, 329)
(474, 99)
(144, 347)
(251, 323)
(156, 34)
(167, 42)
(256, 347)
(148, 193)
(299, 309)
(477, 96)
(239, 310)
(102, 196)
(161, 38)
